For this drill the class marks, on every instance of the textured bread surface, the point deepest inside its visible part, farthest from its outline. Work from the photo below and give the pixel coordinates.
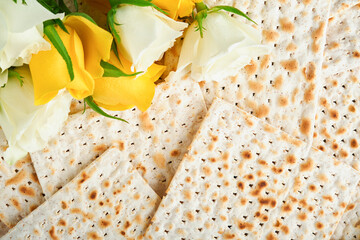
(107, 200)
(244, 179)
(20, 190)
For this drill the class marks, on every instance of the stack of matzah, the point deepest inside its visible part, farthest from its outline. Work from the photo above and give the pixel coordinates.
(276, 156)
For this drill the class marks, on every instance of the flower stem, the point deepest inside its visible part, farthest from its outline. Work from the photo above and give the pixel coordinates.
(201, 6)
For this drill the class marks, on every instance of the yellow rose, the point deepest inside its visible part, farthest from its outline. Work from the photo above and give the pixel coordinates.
(177, 8)
(121, 93)
(87, 44)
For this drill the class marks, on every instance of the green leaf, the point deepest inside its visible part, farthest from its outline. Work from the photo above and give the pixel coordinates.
(51, 33)
(112, 71)
(12, 73)
(84, 107)
(111, 22)
(76, 5)
(23, 2)
(60, 24)
(115, 50)
(140, 3)
(200, 16)
(51, 5)
(232, 10)
(84, 15)
(63, 7)
(90, 102)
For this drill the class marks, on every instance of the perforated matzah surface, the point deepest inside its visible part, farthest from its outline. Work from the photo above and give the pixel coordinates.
(339, 6)
(20, 190)
(109, 199)
(280, 87)
(244, 179)
(342, 51)
(337, 132)
(155, 140)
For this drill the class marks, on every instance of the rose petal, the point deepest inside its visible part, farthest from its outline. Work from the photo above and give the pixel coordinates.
(50, 65)
(28, 127)
(3, 31)
(145, 34)
(20, 47)
(96, 42)
(125, 92)
(21, 17)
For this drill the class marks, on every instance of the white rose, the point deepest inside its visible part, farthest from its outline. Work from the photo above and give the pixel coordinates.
(27, 127)
(21, 31)
(227, 45)
(145, 34)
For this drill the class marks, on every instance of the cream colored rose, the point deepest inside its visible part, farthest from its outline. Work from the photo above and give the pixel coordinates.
(27, 127)
(21, 31)
(145, 34)
(227, 45)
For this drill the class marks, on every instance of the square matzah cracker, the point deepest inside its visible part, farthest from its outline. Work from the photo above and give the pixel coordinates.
(155, 140)
(244, 179)
(337, 132)
(109, 199)
(20, 190)
(342, 51)
(280, 87)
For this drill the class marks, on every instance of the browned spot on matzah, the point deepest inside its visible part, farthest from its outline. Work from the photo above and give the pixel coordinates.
(316, 35)
(354, 143)
(309, 72)
(290, 65)
(246, 154)
(305, 126)
(251, 68)
(159, 160)
(291, 159)
(309, 93)
(262, 111)
(145, 122)
(283, 101)
(307, 166)
(27, 191)
(334, 114)
(62, 222)
(15, 203)
(278, 82)
(356, 54)
(103, 223)
(93, 195)
(245, 225)
(270, 35)
(93, 236)
(100, 148)
(52, 233)
(18, 178)
(286, 25)
(291, 47)
(175, 153)
(271, 236)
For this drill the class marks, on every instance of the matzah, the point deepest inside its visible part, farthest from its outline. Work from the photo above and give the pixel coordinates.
(155, 140)
(339, 6)
(342, 50)
(280, 87)
(3, 229)
(20, 190)
(109, 199)
(337, 133)
(244, 179)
